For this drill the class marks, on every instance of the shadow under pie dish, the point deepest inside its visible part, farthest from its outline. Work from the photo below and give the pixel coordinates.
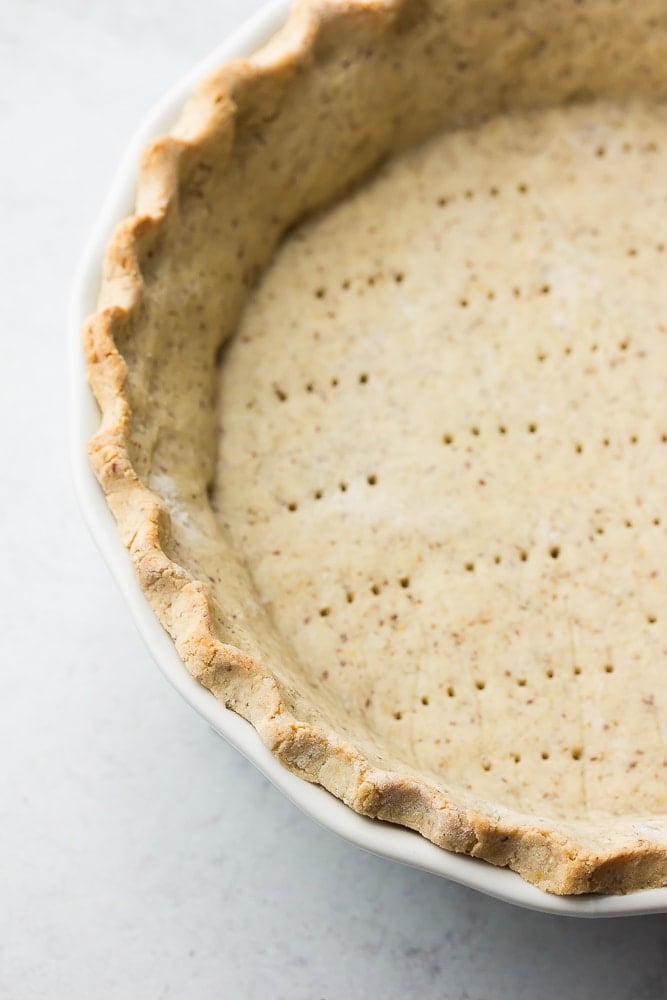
(380, 358)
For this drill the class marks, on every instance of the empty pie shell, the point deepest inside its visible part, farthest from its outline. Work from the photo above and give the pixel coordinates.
(381, 359)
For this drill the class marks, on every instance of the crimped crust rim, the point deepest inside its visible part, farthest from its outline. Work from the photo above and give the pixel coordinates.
(534, 848)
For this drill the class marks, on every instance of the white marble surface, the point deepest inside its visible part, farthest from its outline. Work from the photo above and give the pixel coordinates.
(139, 855)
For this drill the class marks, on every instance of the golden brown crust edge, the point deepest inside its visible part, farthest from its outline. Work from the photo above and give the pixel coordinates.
(537, 851)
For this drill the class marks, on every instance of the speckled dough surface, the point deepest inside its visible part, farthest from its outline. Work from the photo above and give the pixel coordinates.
(444, 459)
(381, 363)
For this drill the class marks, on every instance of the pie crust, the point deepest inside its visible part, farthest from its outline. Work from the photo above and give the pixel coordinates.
(380, 360)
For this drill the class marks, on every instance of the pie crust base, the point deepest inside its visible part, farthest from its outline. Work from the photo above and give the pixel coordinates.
(266, 143)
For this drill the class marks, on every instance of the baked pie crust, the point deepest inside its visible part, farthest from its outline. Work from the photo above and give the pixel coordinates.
(381, 364)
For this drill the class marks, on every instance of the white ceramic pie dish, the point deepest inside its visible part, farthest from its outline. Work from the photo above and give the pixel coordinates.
(381, 838)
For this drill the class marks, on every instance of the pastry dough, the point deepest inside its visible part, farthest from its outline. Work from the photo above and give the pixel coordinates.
(381, 361)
